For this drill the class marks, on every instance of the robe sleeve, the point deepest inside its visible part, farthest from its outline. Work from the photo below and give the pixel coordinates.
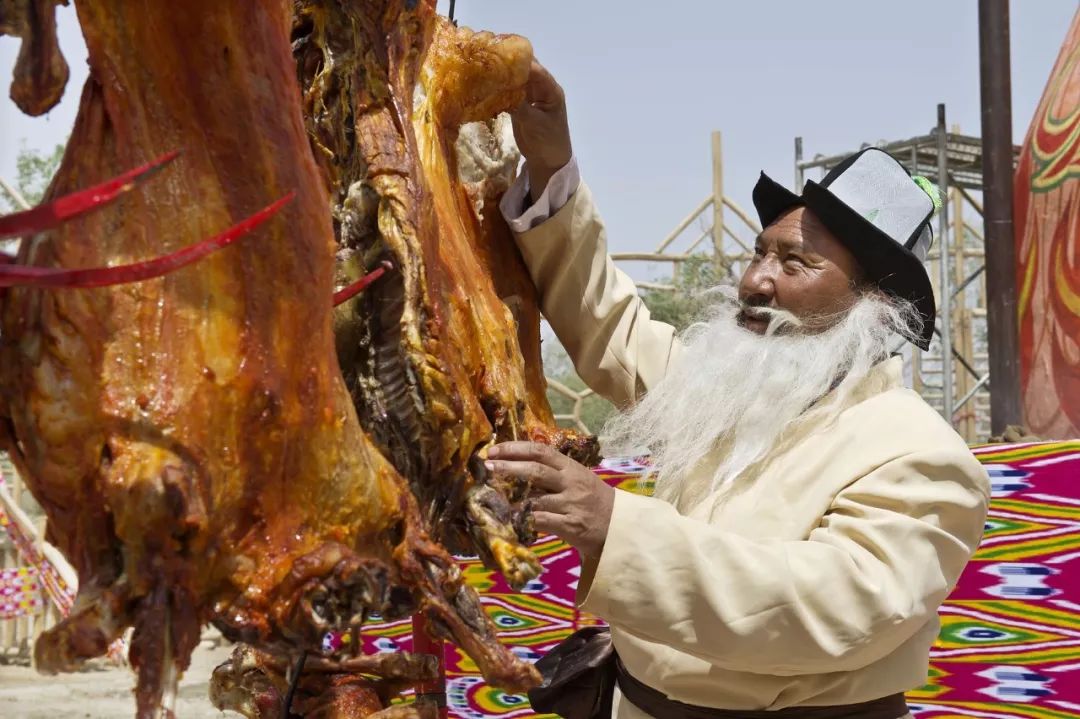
(593, 307)
(874, 572)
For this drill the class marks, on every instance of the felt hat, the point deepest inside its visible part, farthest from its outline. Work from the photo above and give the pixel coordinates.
(873, 205)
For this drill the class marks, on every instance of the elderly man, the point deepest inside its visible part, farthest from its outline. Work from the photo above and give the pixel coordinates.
(810, 513)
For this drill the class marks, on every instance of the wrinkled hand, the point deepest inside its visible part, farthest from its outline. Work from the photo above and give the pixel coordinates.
(569, 500)
(541, 128)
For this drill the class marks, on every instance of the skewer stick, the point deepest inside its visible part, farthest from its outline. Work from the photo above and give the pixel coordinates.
(348, 292)
(14, 275)
(51, 214)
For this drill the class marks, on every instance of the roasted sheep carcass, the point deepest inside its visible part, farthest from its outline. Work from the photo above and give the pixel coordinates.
(191, 437)
(443, 357)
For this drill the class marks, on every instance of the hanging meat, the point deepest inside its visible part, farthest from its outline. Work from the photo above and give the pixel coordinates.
(40, 69)
(443, 357)
(191, 437)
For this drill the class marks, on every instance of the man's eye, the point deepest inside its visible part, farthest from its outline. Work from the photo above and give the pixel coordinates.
(760, 252)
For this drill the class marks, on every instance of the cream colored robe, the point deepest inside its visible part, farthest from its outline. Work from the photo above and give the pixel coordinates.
(816, 578)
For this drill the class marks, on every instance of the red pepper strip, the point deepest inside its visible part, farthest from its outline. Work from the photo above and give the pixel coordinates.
(348, 292)
(45, 217)
(12, 275)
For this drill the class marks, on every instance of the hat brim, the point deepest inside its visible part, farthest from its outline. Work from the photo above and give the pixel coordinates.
(887, 263)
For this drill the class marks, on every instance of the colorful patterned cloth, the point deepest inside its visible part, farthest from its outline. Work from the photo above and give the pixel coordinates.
(1010, 640)
(20, 593)
(46, 580)
(62, 595)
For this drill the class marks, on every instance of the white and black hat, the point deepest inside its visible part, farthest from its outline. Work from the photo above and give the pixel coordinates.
(881, 214)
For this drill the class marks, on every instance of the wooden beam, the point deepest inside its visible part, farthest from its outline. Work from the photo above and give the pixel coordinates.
(684, 224)
(742, 215)
(648, 257)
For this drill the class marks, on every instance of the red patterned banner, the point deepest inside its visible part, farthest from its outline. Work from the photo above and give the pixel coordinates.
(1047, 219)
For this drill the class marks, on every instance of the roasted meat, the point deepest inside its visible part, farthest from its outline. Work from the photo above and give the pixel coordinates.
(256, 685)
(191, 437)
(40, 70)
(442, 358)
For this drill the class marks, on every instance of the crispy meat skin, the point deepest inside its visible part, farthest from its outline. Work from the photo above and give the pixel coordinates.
(443, 358)
(191, 437)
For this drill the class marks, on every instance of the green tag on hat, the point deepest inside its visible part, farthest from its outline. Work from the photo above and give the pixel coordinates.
(930, 189)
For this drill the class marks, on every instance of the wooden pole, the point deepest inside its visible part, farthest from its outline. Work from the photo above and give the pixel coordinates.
(961, 317)
(960, 377)
(717, 196)
(1001, 320)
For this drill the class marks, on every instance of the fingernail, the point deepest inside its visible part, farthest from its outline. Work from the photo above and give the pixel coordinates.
(490, 466)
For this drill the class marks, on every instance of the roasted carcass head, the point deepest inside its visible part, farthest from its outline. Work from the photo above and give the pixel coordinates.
(442, 358)
(191, 437)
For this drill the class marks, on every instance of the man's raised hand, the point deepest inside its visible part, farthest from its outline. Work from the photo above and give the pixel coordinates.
(541, 129)
(569, 500)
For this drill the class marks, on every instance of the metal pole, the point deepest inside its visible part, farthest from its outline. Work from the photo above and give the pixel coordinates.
(1003, 334)
(945, 310)
(798, 165)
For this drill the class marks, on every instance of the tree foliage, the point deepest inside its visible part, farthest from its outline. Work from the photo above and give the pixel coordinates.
(34, 170)
(686, 303)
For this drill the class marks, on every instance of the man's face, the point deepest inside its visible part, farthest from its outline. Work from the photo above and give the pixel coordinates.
(801, 267)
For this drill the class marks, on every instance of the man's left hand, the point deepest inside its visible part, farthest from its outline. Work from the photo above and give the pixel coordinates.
(572, 503)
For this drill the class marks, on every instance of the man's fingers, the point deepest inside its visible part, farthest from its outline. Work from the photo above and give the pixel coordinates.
(548, 503)
(525, 112)
(541, 475)
(548, 523)
(528, 452)
(542, 89)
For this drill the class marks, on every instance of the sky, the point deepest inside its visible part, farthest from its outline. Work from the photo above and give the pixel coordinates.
(646, 84)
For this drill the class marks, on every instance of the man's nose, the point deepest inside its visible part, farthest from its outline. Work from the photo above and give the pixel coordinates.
(759, 280)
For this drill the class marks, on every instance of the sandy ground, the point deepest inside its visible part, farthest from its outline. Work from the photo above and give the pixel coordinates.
(103, 693)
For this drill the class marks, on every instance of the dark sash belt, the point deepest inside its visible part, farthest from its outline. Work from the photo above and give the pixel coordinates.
(580, 676)
(656, 704)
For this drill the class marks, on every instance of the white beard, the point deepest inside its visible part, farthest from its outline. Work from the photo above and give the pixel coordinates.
(736, 391)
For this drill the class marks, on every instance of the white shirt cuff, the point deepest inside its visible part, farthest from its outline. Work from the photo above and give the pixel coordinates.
(560, 188)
